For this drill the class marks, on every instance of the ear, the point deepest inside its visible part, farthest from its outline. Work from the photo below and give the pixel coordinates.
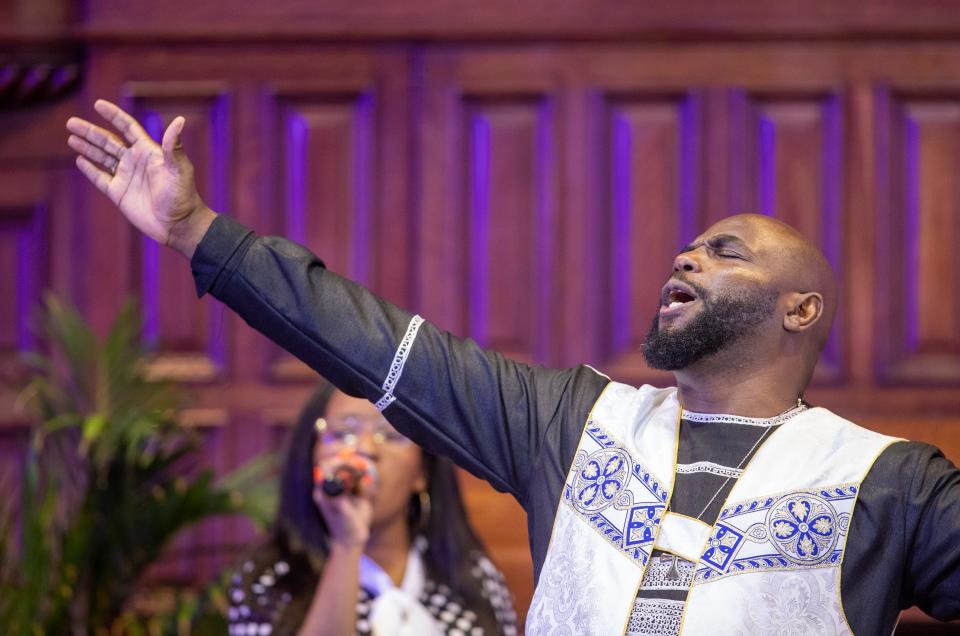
(805, 311)
(420, 483)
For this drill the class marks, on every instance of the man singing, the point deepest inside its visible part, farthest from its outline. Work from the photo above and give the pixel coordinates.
(726, 505)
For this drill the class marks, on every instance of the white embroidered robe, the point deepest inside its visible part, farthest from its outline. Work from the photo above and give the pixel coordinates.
(781, 532)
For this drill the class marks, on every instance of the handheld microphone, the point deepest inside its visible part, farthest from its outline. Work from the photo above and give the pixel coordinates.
(351, 474)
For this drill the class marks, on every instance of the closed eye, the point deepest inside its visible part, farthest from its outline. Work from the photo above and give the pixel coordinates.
(728, 254)
(723, 248)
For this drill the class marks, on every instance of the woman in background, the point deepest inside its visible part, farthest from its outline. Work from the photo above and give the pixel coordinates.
(395, 556)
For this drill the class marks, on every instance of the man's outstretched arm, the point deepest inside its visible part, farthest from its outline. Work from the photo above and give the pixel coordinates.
(488, 413)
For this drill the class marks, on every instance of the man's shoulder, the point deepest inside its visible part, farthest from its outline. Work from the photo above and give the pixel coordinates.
(899, 453)
(902, 459)
(906, 470)
(636, 403)
(829, 422)
(640, 394)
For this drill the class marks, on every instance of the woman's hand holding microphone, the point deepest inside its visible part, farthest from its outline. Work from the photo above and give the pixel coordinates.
(344, 489)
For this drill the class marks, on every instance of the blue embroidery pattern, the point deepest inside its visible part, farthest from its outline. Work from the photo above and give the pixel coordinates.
(845, 491)
(800, 529)
(600, 479)
(721, 547)
(616, 494)
(803, 528)
(642, 522)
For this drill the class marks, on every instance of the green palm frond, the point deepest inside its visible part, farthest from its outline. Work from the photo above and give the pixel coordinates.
(110, 479)
(253, 488)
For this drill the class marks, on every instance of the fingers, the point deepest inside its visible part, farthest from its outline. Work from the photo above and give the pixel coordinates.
(348, 473)
(350, 512)
(347, 510)
(97, 177)
(121, 120)
(103, 139)
(171, 139)
(93, 153)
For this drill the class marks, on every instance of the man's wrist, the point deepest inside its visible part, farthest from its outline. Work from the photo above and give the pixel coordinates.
(187, 233)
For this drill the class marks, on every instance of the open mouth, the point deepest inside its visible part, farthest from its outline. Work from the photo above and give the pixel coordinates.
(675, 295)
(677, 298)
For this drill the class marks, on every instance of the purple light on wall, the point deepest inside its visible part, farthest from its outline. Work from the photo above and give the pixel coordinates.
(831, 201)
(831, 179)
(768, 166)
(221, 185)
(364, 184)
(150, 257)
(621, 164)
(295, 191)
(31, 268)
(689, 159)
(479, 167)
(63, 76)
(25, 286)
(912, 211)
(8, 72)
(150, 292)
(218, 182)
(544, 233)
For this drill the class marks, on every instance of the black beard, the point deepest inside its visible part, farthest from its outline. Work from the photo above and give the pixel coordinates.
(720, 324)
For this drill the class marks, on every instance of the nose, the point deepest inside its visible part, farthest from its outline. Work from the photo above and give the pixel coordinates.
(366, 444)
(686, 262)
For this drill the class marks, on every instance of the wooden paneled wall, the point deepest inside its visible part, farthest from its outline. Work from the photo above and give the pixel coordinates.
(521, 178)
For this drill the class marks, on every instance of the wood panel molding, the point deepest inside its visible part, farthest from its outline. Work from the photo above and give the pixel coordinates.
(489, 206)
(788, 150)
(332, 184)
(325, 149)
(32, 255)
(509, 181)
(187, 335)
(652, 174)
(24, 259)
(918, 227)
(178, 20)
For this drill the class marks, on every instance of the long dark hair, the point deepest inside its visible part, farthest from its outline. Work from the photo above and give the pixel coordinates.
(300, 534)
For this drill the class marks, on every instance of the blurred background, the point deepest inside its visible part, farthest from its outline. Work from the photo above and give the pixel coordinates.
(517, 172)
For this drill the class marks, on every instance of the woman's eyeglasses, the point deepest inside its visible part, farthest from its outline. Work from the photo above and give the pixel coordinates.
(348, 429)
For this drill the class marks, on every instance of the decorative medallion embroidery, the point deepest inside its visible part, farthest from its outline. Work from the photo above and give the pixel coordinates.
(803, 528)
(800, 529)
(615, 494)
(600, 479)
(399, 359)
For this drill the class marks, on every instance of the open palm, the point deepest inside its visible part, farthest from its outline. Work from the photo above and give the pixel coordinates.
(153, 185)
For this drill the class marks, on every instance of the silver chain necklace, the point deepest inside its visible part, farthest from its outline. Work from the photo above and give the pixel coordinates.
(793, 410)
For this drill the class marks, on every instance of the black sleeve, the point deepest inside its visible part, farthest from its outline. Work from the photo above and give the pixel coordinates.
(933, 535)
(488, 413)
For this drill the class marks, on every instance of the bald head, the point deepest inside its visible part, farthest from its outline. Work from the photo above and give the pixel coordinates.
(797, 265)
